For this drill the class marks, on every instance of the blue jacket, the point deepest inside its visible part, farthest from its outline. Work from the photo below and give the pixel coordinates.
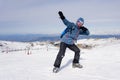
(73, 32)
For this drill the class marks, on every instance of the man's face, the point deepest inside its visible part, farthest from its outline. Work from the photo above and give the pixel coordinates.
(79, 24)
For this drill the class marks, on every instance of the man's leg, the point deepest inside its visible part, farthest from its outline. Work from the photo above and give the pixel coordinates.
(60, 55)
(77, 52)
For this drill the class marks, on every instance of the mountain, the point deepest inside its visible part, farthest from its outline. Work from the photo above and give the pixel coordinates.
(28, 37)
(45, 37)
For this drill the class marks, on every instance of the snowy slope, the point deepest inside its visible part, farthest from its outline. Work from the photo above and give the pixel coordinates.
(102, 62)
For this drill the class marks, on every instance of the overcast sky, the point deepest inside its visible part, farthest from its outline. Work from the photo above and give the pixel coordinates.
(41, 16)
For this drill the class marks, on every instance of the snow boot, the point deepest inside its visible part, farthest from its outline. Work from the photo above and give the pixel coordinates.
(55, 69)
(77, 65)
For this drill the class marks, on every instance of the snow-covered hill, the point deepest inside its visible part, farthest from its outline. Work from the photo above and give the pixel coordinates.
(100, 58)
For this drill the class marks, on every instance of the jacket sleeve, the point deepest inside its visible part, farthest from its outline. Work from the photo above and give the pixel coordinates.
(67, 23)
(84, 31)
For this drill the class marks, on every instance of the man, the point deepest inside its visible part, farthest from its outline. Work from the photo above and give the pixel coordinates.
(68, 37)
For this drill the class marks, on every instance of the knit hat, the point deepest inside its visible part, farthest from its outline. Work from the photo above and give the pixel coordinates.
(81, 20)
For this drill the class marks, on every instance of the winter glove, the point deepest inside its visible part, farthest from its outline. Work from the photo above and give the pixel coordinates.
(84, 29)
(61, 15)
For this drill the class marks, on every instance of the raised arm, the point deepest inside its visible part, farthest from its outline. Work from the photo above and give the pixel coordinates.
(65, 21)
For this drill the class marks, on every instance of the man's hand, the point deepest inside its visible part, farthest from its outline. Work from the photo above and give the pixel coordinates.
(83, 28)
(61, 15)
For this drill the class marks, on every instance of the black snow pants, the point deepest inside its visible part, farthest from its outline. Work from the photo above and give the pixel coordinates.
(61, 53)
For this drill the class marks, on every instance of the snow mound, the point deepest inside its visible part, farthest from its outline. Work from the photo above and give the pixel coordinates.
(98, 42)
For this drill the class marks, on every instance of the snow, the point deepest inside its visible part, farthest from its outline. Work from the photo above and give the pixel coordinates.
(101, 62)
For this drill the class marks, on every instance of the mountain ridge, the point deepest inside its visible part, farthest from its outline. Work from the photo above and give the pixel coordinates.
(46, 37)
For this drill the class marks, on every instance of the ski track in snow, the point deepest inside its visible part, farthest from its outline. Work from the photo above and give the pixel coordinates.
(99, 63)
